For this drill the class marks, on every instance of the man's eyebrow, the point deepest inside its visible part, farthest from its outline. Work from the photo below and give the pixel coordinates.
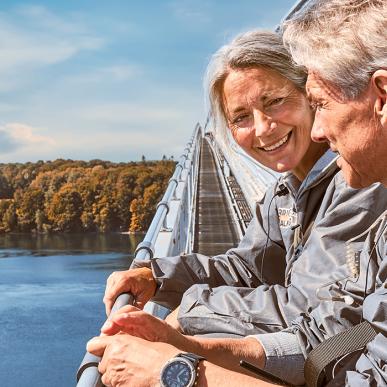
(310, 96)
(329, 88)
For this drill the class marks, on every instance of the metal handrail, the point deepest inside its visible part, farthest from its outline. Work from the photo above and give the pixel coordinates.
(87, 374)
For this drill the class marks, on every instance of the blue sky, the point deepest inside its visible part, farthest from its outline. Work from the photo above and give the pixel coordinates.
(113, 80)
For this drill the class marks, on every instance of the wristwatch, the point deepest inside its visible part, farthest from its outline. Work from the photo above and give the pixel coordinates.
(180, 371)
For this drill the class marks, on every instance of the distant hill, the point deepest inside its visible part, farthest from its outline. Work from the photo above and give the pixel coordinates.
(80, 196)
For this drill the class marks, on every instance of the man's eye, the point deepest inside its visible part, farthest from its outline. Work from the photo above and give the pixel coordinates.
(275, 101)
(316, 106)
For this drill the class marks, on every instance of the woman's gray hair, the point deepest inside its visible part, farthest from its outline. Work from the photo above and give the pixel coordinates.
(343, 41)
(252, 49)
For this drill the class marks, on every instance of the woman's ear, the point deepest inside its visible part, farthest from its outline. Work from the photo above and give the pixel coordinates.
(379, 85)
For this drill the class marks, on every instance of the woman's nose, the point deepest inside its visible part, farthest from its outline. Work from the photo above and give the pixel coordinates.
(263, 125)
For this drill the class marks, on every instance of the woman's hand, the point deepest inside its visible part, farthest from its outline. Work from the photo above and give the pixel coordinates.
(139, 282)
(136, 322)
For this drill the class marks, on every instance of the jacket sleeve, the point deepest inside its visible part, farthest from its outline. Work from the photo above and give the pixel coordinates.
(239, 266)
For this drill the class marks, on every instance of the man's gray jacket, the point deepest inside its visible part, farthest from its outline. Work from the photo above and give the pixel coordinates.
(368, 288)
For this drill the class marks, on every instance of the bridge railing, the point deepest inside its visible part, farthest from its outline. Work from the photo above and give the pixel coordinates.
(170, 233)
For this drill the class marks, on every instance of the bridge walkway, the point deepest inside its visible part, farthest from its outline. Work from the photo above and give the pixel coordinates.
(215, 227)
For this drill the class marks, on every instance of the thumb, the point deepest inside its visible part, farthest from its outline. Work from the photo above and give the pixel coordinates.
(97, 345)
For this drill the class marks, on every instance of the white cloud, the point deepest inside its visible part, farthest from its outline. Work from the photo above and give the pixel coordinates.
(121, 72)
(6, 108)
(33, 37)
(190, 11)
(41, 17)
(16, 135)
(129, 113)
(109, 74)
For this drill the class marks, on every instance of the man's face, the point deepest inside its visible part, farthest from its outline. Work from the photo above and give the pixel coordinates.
(352, 130)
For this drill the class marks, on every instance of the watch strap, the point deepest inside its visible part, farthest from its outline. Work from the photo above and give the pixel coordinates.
(195, 359)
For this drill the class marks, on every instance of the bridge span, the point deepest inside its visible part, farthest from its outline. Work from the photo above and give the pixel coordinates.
(216, 229)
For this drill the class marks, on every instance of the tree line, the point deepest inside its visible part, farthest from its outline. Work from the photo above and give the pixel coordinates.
(80, 196)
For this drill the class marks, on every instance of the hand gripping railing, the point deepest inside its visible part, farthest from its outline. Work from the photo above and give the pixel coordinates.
(88, 375)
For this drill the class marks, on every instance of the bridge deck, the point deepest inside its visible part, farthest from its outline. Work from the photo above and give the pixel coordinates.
(215, 228)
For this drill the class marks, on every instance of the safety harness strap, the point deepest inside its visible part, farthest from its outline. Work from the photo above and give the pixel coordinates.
(333, 348)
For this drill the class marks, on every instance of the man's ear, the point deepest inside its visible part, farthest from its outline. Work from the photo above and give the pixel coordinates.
(379, 85)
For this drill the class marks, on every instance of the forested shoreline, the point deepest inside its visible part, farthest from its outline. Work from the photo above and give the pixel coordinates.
(80, 196)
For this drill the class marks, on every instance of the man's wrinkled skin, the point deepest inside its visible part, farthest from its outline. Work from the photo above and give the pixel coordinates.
(129, 361)
(356, 129)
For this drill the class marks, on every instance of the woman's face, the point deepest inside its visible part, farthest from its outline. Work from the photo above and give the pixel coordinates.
(268, 116)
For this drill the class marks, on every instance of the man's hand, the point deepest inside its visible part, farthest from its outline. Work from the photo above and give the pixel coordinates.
(136, 322)
(130, 361)
(139, 282)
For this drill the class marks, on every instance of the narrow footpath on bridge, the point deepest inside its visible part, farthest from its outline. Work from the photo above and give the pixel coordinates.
(215, 227)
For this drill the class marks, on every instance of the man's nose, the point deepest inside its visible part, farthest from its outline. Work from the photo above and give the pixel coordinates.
(317, 133)
(263, 125)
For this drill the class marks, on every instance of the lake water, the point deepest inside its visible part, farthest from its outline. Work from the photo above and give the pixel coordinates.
(51, 290)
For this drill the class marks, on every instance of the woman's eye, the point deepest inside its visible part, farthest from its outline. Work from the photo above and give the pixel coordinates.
(237, 121)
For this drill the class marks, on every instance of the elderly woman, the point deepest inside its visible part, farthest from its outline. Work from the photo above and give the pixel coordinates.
(274, 273)
(257, 92)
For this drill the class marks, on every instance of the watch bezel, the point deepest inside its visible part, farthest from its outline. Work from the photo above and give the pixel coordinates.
(179, 359)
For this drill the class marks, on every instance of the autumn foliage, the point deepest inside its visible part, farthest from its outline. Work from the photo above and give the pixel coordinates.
(79, 196)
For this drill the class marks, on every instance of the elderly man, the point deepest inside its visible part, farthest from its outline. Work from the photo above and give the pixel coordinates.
(343, 44)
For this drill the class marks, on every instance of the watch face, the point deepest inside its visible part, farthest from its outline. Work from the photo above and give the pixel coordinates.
(177, 373)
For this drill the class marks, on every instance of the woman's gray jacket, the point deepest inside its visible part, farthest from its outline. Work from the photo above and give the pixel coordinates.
(271, 234)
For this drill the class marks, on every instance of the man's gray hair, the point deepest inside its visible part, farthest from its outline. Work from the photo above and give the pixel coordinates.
(252, 49)
(343, 41)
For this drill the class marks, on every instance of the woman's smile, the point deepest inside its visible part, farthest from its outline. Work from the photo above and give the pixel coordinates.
(278, 145)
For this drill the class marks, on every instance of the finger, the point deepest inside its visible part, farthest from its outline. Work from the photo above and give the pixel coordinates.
(118, 284)
(132, 319)
(105, 379)
(97, 345)
(110, 328)
(142, 298)
(107, 299)
(127, 309)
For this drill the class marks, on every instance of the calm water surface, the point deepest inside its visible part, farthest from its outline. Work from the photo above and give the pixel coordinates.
(51, 289)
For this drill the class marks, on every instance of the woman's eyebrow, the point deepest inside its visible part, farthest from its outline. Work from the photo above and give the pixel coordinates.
(237, 110)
